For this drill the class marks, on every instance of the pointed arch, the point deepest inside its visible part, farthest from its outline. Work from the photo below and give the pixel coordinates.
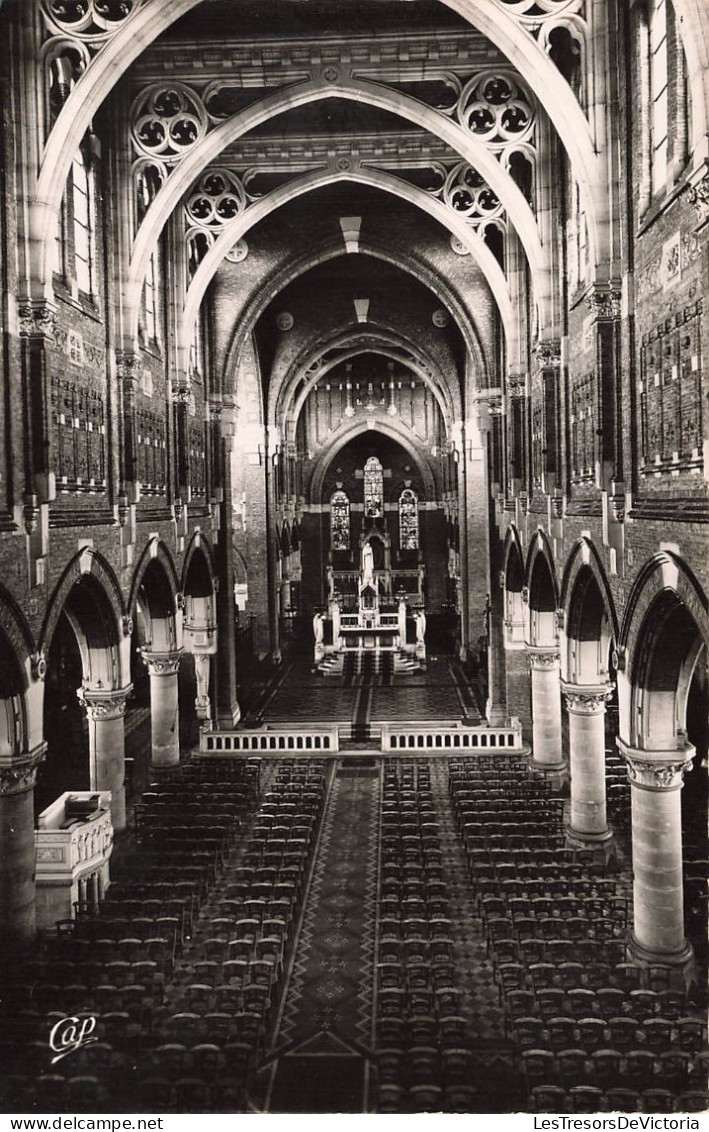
(393, 429)
(86, 563)
(137, 33)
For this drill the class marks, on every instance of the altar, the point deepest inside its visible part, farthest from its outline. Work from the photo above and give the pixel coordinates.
(377, 625)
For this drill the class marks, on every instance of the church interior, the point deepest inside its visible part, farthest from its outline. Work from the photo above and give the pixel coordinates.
(354, 585)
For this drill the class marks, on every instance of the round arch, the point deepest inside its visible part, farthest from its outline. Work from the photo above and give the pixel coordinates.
(264, 294)
(394, 430)
(373, 178)
(495, 22)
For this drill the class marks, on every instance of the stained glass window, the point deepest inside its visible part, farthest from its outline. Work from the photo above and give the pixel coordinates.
(373, 487)
(408, 520)
(339, 521)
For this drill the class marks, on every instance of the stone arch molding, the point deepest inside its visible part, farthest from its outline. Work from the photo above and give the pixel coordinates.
(198, 544)
(640, 707)
(89, 562)
(393, 429)
(352, 342)
(283, 276)
(212, 145)
(373, 178)
(155, 551)
(584, 554)
(586, 661)
(501, 25)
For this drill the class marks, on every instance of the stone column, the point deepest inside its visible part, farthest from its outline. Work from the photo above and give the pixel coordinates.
(496, 706)
(586, 705)
(17, 850)
(202, 702)
(658, 924)
(547, 755)
(106, 713)
(164, 706)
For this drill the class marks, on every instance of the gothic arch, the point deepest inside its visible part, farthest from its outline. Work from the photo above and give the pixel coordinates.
(89, 596)
(514, 572)
(393, 430)
(353, 341)
(155, 551)
(86, 562)
(265, 292)
(495, 22)
(543, 593)
(591, 624)
(374, 178)
(16, 650)
(665, 631)
(198, 548)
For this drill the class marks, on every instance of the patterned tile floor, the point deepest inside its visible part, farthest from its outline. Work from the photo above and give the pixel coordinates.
(438, 693)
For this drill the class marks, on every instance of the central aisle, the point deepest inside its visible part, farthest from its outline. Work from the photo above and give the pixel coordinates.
(324, 1032)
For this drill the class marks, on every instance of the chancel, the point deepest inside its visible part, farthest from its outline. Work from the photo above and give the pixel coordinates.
(354, 585)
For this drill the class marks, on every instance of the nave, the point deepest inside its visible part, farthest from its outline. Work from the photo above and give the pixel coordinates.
(355, 934)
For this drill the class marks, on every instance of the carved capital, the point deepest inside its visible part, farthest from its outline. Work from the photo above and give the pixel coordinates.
(101, 705)
(181, 394)
(31, 512)
(587, 699)
(547, 352)
(603, 302)
(543, 659)
(699, 197)
(19, 774)
(656, 770)
(37, 320)
(129, 367)
(162, 663)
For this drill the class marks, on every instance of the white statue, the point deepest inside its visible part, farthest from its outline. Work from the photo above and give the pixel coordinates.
(318, 629)
(367, 564)
(420, 626)
(330, 583)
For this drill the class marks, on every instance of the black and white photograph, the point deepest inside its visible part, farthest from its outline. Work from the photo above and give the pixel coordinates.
(354, 563)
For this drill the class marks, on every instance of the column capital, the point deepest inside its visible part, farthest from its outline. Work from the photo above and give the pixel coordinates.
(129, 366)
(100, 704)
(586, 699)
(543, 658)
(162, 663)
(18, 775)
(656, 770)
(604, 301)
(547, 352)
(37, 319)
